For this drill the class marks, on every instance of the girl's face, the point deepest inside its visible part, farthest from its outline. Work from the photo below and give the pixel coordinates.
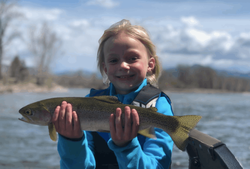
(126, 62)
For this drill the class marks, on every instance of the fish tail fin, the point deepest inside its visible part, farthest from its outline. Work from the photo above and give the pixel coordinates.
(181, 126)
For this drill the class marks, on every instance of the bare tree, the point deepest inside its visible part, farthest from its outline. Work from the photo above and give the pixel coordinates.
(205, 77)
(44, 44)
(184, 74)
(7, 15)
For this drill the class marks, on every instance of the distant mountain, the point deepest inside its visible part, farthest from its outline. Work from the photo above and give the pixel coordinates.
(219, 72)
(233, 74)
(78, 72)
(228, 73)
(69, 73)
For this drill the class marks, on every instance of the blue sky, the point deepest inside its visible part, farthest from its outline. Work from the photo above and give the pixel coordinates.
(210, 33)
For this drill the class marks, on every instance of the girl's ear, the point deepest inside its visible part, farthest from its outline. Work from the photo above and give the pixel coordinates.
(104, 67)
(105, 76)
(151, 65)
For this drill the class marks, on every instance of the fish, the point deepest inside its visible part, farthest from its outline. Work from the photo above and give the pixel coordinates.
(94, 113)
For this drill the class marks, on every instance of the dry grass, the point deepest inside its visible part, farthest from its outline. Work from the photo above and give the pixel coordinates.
(30, 87)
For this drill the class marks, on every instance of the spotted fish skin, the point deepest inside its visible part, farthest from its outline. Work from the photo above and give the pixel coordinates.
(94, 113)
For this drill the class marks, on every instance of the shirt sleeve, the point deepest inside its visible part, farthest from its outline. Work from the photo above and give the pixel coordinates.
(155, 153)
(76, 154)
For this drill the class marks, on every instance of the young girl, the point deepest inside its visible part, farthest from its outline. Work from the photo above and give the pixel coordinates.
(127, 60)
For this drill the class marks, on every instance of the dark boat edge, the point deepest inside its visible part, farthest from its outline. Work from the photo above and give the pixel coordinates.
(206, 152)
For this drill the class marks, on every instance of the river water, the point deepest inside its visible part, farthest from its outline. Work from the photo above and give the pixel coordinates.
(225, 117)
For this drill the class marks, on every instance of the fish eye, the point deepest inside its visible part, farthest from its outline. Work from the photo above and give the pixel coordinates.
(29, 112)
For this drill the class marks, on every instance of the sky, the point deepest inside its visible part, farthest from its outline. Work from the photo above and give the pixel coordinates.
(209, 32)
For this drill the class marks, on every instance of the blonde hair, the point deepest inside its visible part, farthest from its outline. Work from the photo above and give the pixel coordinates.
(134, 31)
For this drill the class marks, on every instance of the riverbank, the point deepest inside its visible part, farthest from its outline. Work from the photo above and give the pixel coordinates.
(31, 87)
(199, 90)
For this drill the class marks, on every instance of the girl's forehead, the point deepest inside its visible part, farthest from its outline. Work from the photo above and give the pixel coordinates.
(122, 40)
(121, 37)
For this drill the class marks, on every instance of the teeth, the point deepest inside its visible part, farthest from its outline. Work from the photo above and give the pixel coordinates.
(23, 119)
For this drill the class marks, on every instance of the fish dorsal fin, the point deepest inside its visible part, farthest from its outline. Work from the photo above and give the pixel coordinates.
(52, 131)
(108, 99)
(153, 108)
(148, 132)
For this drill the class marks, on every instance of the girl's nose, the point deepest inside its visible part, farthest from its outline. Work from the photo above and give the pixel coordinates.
(124, 65)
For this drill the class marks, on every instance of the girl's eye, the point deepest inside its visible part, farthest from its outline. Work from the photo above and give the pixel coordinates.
(113, 61)
(133, 58)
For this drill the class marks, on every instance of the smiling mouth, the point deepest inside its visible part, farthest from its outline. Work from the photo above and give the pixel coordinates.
(124, 77)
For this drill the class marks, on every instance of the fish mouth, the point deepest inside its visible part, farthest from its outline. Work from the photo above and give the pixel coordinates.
(24, 119)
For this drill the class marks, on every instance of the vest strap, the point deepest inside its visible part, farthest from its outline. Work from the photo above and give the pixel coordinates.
(104, 157)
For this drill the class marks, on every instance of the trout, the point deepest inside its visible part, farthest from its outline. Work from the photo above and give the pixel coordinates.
(94, 113)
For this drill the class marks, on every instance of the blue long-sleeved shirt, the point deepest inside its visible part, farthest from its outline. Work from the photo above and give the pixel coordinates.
(154, 153)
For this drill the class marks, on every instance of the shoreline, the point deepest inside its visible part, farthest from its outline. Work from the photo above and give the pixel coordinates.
(200, 90)
(31, 87)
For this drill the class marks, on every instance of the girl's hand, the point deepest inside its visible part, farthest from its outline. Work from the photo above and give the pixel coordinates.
(66, 121)
(121, 133)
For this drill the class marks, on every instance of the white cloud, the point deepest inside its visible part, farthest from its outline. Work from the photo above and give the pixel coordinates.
(190, 21)
(207, 60)
(198, 36)
(103, 3)
(176, 44)
(244, 40)
(80, 23)
(192, 45)
(40, 13)
(193, 40)
(245, 35)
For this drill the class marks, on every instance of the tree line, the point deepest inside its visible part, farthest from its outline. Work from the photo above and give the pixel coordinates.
(201, 77)
(182, 77)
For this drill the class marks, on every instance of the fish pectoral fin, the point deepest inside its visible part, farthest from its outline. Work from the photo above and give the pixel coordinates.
(52, 131)
(148, 132)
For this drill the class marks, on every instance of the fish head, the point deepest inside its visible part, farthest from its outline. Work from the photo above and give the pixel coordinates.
(35, 113)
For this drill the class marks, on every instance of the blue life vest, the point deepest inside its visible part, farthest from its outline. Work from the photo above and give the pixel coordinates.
(105, 158)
